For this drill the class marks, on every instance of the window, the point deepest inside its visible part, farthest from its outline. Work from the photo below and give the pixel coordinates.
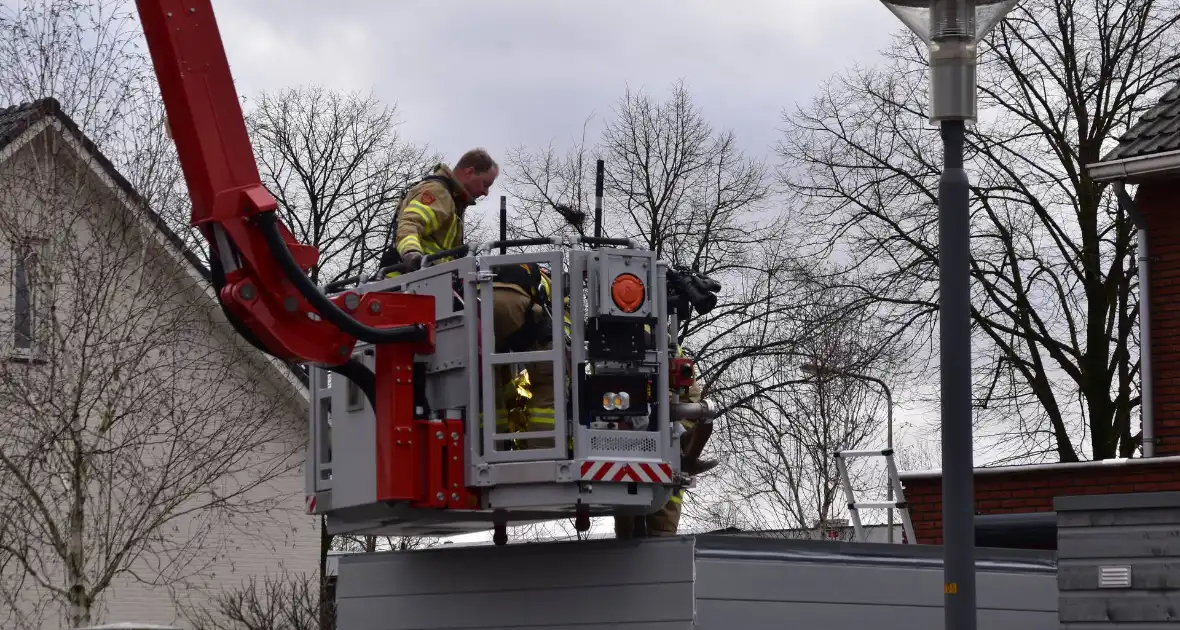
(28, 295)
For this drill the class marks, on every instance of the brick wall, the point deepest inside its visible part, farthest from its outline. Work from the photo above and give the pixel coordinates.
(1020, 489)
(1160, 205)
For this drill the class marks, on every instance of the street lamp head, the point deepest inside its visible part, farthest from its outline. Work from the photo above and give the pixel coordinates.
(943, 20)
(951, 30)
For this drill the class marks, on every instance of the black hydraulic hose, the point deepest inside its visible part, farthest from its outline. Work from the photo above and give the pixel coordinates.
(522, 242)
(360, 374)
(600, 241)
(458, 252)
(326, 308)
(340, 285)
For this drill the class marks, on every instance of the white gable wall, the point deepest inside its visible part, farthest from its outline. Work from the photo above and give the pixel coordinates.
(197, 392)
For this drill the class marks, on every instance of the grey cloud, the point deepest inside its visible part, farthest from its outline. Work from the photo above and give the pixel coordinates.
(511, 72)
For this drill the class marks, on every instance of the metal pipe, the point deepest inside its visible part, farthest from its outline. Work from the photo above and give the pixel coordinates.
(691, 411)
(1147, 406)
(954, 297)
(503, 224)
(1030, 530)
(888, 445)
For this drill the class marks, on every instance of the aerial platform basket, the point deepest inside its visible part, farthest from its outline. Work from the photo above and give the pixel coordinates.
(462, 472)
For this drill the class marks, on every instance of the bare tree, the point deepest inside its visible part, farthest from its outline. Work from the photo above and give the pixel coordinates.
(678, 186)
(372, 544)
(135, 440)
(780, 470)
(687, 191)
(287, 601)
(131, 439)
(338, 167)
(1053, 265)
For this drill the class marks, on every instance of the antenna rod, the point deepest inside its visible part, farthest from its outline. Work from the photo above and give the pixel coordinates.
(503, 224)
(598, 200)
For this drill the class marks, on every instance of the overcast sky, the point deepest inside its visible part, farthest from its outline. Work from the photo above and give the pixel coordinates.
(511, 72)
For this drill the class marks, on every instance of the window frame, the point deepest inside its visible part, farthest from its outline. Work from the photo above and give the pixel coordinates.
(28, 256)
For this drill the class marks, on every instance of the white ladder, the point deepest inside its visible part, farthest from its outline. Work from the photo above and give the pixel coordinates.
(898, 502)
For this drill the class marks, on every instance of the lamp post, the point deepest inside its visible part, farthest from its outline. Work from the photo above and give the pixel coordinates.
(952, 30)
(815, 370)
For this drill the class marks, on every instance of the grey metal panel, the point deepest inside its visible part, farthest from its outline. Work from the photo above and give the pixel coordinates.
(654, 625)
(1127, 501)
(725, 581)
(522, 566)
(1133, 606)
(354, 452)
(1120, 542)
(1146, 573)
(524, 608)
(643, 584)
(716, 614)
(1109, 518)
(719, 545)
(1132, 538)
(863, 584)
(761, 583)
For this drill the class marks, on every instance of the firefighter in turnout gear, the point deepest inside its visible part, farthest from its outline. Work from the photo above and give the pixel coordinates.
(523, 323)
(666, 520)
(430, 217)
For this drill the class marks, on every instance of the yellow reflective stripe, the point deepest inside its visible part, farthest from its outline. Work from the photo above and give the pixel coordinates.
(452, 234)
(409, 243)
(541, 415)
(429, 218)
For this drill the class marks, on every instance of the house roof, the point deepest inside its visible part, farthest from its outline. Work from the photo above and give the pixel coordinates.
(1157, 131)
(17, 119)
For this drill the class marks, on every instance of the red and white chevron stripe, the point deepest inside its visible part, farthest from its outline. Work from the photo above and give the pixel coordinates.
(641, 472)
(310, 502)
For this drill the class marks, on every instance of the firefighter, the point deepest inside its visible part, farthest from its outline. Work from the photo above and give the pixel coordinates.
(522, 323)
(430, 217)
(666, 520)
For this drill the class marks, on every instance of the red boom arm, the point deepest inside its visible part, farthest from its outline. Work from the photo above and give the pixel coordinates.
(259, 267)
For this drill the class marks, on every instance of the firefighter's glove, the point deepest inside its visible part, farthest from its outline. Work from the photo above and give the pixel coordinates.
(413, 260)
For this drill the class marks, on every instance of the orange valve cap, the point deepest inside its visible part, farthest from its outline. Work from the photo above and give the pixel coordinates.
(628, 292)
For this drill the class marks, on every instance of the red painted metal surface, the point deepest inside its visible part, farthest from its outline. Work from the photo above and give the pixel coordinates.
(680, 373)
(459, 497)
(436, 471)
(400, 442)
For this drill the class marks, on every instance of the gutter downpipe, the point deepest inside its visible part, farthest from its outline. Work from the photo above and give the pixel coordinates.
(1147, 405)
